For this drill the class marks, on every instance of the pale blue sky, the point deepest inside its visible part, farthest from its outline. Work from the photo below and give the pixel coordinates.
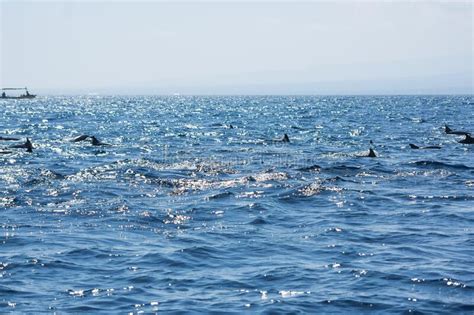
(342, 47)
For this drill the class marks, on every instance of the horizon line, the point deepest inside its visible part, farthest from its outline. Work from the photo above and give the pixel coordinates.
(263, 94)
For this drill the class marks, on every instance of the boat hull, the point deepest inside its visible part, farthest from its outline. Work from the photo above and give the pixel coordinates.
(17, 97)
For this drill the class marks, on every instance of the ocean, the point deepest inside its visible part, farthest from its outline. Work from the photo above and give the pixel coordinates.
(197, 207)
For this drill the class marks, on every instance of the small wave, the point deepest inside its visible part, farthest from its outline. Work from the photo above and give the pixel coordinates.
(418, 120)
(270, 176)
(222, 195)
(201, 253)
(312, 168)
(436, 164)
(51, 174)
(43, 176)
(343, 168)
(6, 291)
(82, 252)
(8, 201)
(258, 221)
(449, 282)
(357, 305)
(313, 189)
(442, 197)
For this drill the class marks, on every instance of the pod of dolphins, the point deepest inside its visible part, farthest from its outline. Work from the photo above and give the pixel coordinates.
(29, 146)
(96, 142)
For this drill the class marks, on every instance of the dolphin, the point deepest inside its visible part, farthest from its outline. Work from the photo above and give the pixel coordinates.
(95, 141)
(467, 140)
(449, 131)
(371, 153)
(8, 138)
(414, 146)
(80, 138)
(285, 139)
(27, 145)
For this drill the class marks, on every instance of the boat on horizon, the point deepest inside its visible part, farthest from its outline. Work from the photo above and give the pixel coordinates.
(27, 94)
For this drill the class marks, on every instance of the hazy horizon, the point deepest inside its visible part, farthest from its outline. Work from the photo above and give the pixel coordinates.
(238, 48)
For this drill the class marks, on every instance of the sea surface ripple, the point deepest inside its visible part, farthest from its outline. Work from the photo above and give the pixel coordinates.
(195, 209)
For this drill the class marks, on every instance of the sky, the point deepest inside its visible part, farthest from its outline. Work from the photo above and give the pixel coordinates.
(238, 47)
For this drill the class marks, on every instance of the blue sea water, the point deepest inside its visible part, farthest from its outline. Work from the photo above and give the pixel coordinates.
(185, 214)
